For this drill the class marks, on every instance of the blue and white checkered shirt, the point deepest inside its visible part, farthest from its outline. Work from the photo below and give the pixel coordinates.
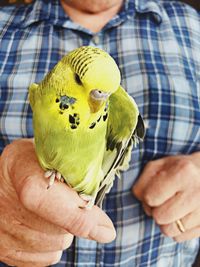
(157, 47)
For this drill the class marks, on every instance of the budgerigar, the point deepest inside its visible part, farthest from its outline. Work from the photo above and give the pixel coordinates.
(85, 124)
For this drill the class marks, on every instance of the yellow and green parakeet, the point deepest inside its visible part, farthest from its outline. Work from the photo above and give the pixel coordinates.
(84, 122)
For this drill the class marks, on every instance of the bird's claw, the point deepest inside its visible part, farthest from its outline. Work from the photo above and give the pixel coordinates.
(53, 175)
(89, 199)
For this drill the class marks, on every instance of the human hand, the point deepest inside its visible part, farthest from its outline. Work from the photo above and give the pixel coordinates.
(37, 224)
(169, 189)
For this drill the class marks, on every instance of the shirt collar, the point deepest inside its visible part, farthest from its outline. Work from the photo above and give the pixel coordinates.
(45, 10)
(52, 11)
(152, 7)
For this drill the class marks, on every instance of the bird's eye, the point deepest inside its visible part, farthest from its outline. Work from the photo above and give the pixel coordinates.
(99, 95)
(77, 79)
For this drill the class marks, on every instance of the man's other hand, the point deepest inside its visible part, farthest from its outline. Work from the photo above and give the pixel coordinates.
(169, 190)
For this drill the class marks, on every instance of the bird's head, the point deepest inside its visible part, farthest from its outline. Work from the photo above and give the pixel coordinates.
(97, 74)
(85, 74)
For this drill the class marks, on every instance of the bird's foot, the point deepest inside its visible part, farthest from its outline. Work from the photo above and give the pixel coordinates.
(53, 175)
(89, 199)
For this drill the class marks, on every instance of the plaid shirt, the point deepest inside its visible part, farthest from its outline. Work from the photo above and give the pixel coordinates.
(157, 47)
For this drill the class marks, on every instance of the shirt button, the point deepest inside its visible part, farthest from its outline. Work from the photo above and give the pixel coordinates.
(96, 39)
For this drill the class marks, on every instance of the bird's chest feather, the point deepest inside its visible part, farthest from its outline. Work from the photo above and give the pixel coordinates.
(64, 131)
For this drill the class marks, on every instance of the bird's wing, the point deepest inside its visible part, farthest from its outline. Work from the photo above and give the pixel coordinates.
(125, 128)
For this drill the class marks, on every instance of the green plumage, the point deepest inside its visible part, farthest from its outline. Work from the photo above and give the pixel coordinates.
(84, 121)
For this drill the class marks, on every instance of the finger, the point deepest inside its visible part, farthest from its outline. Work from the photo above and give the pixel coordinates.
(43, 259)
(147, 209)
(176, 207)
(162, 188)
(169, 180)
(188, 235)
(190, 221)
(60, 204)
(150, 170)
(33, 241)
(33, 221)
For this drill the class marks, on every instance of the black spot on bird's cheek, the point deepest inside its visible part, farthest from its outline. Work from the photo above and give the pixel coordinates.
(63, 106)
(77, 79)
(105, 117)
(92, 125)
(71, 119)
(74, 120)
(99, 119)
(57, 100)
(73, 126)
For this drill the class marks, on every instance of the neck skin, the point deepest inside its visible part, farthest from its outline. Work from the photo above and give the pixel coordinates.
(92, 15)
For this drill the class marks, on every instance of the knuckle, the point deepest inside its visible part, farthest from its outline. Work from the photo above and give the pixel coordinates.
(24, 194)
(149, 165)
(6, 157)
(185, 164)
(148, 199)
(84, 231)
(81, 226)
(10, 150)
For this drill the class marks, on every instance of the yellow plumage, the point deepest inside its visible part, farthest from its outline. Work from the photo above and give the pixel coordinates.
(73, 127)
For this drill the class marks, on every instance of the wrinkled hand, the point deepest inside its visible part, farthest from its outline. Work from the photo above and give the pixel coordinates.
(169, 189)
(37, 224)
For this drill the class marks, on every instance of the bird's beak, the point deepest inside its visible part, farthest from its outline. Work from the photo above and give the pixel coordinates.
(97, 99)
(95, 105)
